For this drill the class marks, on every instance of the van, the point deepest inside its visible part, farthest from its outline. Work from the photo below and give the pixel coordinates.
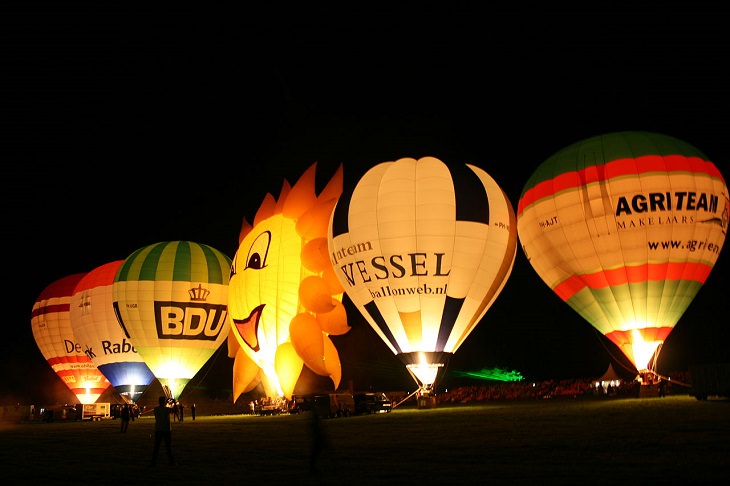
(372, 402)
(334, 405)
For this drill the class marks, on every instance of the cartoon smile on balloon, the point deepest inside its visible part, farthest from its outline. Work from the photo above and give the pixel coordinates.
(284, 299)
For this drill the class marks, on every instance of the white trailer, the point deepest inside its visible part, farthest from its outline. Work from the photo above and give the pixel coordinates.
(96, 411)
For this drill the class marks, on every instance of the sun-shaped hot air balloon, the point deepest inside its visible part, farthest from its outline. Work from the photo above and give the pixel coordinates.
(171, 301)
(284, 300)
(51, 324)
(423, 249)
(625, 228)
(97, 330)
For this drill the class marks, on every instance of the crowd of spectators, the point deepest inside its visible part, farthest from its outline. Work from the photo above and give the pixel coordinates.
(548, 389)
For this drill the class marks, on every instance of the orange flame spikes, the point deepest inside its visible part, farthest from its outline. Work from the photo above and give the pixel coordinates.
(283, 197)
(302, 196)
(333, 189)
(246, 228)
(266, 210)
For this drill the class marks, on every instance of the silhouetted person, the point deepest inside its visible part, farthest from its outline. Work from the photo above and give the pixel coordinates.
(126, 416)
(192, 411)
(318, 439)
(163, 430)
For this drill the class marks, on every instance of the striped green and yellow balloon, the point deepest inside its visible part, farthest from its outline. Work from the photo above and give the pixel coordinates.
(171, 299)
(625, 228)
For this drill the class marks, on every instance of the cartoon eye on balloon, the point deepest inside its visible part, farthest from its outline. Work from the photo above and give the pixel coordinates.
(625, 228)
(51, 326)
(423, 249)
(97, 330)
(171, 302)
(284, 300)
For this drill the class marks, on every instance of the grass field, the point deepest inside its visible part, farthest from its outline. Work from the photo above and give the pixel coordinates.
(671, 440)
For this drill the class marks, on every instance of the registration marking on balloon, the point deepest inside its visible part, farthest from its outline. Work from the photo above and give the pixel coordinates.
(625, 228)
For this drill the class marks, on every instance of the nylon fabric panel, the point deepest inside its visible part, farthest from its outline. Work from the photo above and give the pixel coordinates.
(625, 227)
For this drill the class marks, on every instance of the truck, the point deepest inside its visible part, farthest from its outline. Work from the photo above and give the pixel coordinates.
(710, 380)
(95, 411)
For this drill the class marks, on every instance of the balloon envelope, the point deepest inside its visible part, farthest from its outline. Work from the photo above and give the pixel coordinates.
(423, 249)
(171, 300)
(51, 325)
(282, 306)
(97, 330)
(625, 228)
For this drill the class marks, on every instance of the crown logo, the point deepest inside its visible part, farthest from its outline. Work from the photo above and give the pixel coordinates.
(198, 293)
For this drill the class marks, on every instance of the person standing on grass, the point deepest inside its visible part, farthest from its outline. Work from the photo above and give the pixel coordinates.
(318, 441)
(163, 430)
(126, 415)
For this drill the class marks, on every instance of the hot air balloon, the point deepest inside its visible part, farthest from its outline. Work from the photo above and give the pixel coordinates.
(284, 300)
(51, 324)
(171, 301)
(423, 249)
(97, 330)
(625, 228)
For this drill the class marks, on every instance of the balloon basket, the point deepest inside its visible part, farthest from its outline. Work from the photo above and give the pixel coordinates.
(427, 401)
(648, 391)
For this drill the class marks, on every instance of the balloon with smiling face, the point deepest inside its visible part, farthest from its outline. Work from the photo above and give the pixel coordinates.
(284, 300)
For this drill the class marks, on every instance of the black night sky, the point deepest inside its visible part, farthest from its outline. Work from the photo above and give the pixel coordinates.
(125, 126)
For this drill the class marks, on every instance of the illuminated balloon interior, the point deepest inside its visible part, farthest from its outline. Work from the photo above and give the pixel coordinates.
(284, 300)
(97, 330)
(423, 249)
(171, 301)
(625, 228)
(51, 326)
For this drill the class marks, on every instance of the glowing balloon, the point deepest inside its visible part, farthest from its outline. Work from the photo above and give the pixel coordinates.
(171, 299)
(283, 304)
(51, 324)
(625, 228)
(423, 249)
(97, 330)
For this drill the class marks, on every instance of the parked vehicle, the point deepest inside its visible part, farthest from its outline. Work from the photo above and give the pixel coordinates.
(95, 411)
(331, 405)
(327, 405)
(710, 380)
(65, 412)
(301, 403)
(372, 402)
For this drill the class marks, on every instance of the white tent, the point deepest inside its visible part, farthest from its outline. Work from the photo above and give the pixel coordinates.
(609, 378)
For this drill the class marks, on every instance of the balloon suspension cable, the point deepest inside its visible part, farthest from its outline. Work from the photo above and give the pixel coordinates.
(659, 377)
(407, 397)
(422, 389)
(617, 360)
(654, 359)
